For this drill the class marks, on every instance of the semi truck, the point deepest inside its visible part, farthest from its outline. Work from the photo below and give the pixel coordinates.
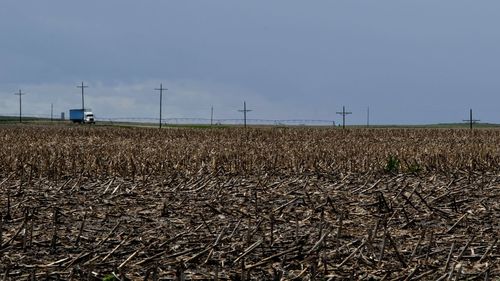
(82, 116)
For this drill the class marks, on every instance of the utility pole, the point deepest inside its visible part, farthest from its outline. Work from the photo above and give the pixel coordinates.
(368, 117)
(343, 113)
(83, 100)
(20, 93)
(245, 110)
(161, 96)
(51, 112)
(471, 120)
(212, 116)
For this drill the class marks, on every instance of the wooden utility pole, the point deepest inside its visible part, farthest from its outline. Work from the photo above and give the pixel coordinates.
(471, 120)
(368, 117)
(212, 116)
(343, 113)
(20, 93)
(161, 96)
(245, 110)
(51, 112)
(83, 99)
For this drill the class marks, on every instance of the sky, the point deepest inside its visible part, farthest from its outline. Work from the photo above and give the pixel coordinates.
(410, 62)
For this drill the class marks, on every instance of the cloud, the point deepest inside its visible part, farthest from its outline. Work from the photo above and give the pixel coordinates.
(297, 61)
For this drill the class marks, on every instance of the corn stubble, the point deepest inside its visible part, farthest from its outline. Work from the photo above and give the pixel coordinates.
(258, 204)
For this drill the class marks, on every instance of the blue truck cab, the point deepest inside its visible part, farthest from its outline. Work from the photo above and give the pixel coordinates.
(82, 116)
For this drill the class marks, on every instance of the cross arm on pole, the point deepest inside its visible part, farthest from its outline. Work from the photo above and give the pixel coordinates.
(20, 93)
(82, 86)
(161, 89)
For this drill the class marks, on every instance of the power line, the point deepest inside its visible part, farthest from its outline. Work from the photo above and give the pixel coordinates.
(20, 93)
(83, 99)
(471, 120)
(343, 113)
(245, 110)
(161, 96)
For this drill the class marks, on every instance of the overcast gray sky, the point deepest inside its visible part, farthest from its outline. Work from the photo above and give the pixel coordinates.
(422, 61)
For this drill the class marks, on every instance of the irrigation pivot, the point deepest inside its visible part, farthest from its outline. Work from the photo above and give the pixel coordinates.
(161, 96)
(343, 113)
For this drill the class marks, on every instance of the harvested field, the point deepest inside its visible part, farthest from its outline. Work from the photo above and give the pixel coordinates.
(258, 204)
